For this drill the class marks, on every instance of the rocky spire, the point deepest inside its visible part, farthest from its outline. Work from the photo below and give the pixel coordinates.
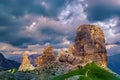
(47, 56)
(26, 65)
(90, 44)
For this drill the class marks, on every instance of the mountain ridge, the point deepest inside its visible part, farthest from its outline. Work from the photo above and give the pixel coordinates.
(6, 64)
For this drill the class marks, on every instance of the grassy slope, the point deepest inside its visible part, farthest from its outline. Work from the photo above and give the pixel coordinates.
(89, 72)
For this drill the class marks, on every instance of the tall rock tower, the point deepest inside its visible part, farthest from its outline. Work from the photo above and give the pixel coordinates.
(47, 56)
(90, 45)
(26, 65)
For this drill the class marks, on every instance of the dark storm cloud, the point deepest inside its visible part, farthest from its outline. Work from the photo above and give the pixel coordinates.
(20, 7)
(56, 6)
(5, 20)
(50, 32)
(101, 12)
(12, 20)
(52, 36)
(22, 42)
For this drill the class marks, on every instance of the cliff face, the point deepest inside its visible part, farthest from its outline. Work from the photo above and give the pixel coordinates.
(90, 45)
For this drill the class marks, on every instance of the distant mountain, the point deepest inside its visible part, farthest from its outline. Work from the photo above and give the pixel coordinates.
(33, 57)
(114, 63)
(15, 57)
(1, 57)
(6, 64)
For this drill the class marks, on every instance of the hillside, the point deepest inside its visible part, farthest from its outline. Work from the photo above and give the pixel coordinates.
(6, 64)
(89, 72)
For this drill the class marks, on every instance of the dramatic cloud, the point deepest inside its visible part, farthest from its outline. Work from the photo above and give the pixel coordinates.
(31, 25)
(101, 12)
(113, 49)
(16, 53)
(15, 15)
(74, 13)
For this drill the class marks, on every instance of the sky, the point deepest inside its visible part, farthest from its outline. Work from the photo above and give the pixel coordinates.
(32, 25)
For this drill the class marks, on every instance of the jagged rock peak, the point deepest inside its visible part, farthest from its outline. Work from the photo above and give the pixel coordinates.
(90, 44)
(47, 56)
(49, 50)
(26, 65)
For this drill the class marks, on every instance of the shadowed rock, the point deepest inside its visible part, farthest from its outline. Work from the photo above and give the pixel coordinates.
(90, 45)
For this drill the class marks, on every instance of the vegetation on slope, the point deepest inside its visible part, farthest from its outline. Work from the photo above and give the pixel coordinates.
(89, 72)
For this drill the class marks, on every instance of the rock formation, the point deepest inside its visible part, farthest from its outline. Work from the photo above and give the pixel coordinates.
(71, 49)
(90, 45)
(47, 56)
(66, 56)
(26, 65)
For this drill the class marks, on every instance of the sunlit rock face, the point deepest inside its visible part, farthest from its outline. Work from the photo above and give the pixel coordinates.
(90, 45)
(26, 65)
(47, 57)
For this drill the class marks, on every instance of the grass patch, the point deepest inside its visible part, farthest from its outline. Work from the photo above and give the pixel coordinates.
(90, 72)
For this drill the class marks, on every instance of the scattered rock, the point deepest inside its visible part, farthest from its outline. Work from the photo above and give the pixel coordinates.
(65, 56)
